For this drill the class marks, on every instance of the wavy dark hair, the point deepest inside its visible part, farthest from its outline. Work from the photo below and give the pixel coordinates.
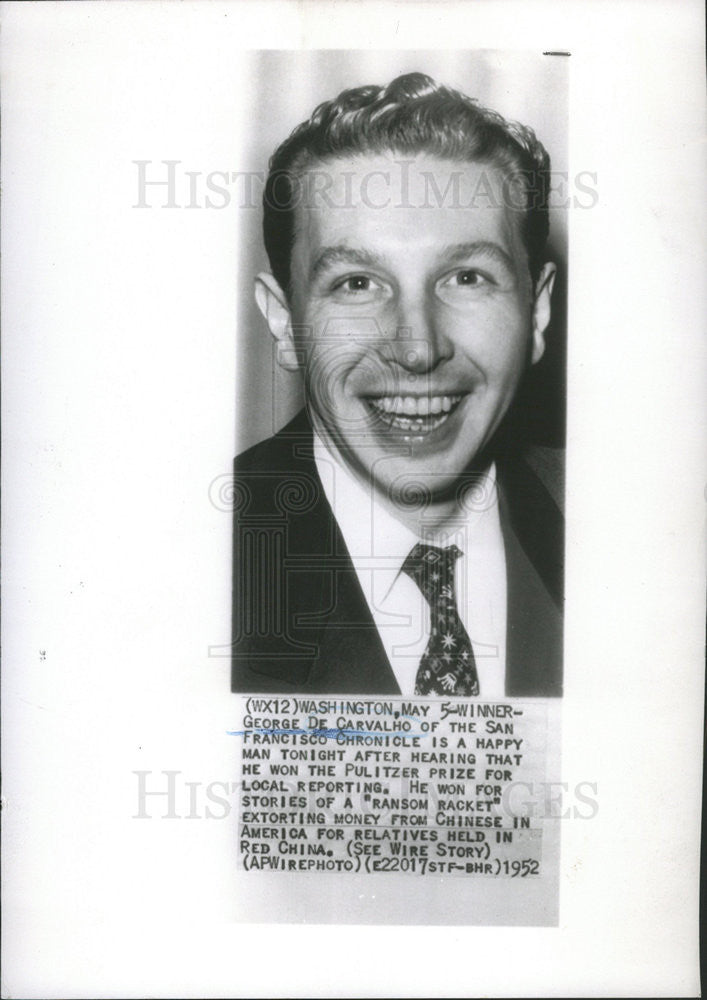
(413, 114)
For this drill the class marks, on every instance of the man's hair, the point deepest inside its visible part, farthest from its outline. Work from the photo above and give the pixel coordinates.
(413, 114)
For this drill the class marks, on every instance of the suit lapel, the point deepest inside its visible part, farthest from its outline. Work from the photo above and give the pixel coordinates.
(334, 645)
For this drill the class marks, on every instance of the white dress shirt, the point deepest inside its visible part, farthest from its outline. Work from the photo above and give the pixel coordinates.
(379, 544)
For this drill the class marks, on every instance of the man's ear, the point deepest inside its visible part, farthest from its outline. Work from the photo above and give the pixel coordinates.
(272, 302)
(542, 309)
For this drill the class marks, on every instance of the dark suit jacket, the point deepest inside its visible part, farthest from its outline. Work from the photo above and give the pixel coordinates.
(300, 620)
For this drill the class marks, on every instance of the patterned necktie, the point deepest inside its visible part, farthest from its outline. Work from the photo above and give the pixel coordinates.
(447, 666)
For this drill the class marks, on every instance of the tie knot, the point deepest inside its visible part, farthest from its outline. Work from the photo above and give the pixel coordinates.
(432, 569)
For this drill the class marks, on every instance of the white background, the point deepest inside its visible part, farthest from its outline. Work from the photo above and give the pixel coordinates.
(119, 360)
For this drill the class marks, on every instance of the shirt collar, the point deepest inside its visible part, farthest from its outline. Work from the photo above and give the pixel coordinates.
(374, 537)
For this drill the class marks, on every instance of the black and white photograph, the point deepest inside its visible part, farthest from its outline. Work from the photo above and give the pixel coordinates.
(353, 493)
(409, 282)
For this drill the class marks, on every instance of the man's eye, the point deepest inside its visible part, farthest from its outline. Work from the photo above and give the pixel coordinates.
(356, 283)
(468, 278)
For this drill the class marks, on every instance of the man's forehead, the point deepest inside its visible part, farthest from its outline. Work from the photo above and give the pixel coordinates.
(373, 201)
(418, 179)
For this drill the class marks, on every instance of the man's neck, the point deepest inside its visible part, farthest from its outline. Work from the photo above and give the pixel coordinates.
(427, 516)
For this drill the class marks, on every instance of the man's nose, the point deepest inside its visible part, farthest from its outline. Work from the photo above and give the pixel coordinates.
(420, 342)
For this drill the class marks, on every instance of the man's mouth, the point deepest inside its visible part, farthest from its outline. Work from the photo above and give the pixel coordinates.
(414, 414)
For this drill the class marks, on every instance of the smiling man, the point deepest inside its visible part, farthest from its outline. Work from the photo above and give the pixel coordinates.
(398, 536)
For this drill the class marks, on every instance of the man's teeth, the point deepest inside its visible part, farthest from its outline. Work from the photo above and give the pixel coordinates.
(419, 415)
(415, 406)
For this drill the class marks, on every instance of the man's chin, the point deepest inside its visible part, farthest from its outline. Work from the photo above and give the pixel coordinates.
(414, 488)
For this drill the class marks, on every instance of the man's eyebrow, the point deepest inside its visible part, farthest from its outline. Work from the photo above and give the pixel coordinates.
(329, 256)
(460, 252)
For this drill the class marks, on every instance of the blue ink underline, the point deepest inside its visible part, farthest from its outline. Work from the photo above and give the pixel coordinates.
(330, 734)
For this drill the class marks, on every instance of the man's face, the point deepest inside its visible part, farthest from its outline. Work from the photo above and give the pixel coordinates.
(414, 321)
